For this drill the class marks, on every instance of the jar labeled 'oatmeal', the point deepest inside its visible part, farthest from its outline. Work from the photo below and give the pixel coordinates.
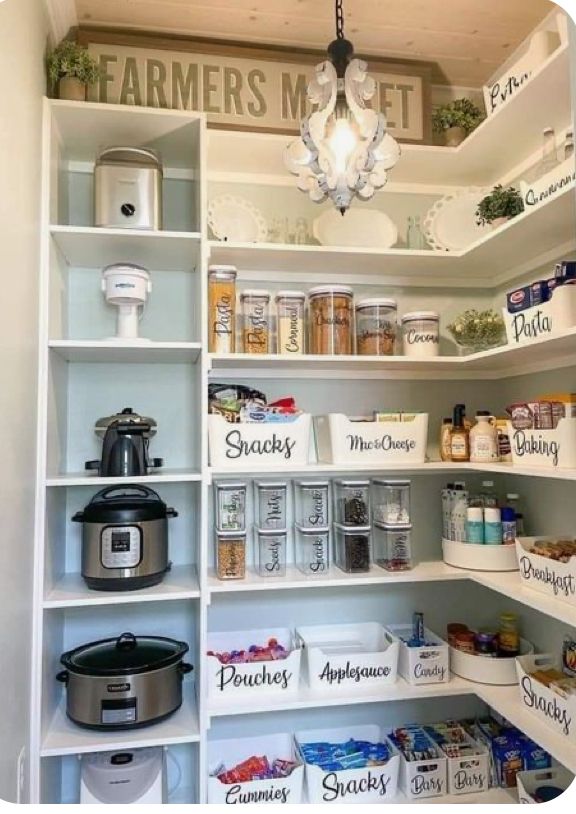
(221, 309)
(375, 327)
(331, 319)
(256, 321)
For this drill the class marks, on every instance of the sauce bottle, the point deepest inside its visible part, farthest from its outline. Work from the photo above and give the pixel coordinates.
(445, 451)
(484, 438)
(459, 437)
(508, 636)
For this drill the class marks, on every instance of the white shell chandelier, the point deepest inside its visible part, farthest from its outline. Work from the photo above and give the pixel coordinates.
(344, 150)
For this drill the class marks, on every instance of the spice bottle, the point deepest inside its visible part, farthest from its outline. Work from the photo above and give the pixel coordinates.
(445, 431)
(230, 555)
(256, 321)
(331, 318)
(290, 322)
(459, 437)
(508, 636)
(222, 309)
(484, 438)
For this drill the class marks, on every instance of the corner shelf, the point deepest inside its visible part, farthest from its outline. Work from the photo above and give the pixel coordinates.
(73, 350)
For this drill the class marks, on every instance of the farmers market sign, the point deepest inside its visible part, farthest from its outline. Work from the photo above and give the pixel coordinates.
(240, 86)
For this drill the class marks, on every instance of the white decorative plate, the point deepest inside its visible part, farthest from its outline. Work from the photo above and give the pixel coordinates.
(451, 223)
(236, 220)
(366, 228)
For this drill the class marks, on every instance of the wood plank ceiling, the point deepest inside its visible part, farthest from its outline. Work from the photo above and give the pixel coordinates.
(466, 39)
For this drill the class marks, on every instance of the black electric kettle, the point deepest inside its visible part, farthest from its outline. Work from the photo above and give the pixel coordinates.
(126, 437)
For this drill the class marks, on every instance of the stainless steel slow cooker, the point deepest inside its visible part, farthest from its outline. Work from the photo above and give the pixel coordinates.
(124, 683)
(124, 538)
(128, 188)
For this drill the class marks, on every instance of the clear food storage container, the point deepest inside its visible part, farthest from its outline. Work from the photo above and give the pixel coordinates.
(353, 553)
(271, 552)
(330, 318)
(376, 327)
(393, 547)
(222, 309)
(290, 308)
(391, 502)
(255, 321)
(230, 506)
(352, 502)
(230, 555)
(270, 504)
(421, 333)
(312, 551)
(311, 500)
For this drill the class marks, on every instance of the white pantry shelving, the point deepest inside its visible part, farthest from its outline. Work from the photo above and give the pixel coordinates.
(82, 376)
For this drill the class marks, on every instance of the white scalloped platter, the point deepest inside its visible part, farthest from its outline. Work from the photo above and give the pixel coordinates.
(364, 228)
(236, 220)
(450, 225)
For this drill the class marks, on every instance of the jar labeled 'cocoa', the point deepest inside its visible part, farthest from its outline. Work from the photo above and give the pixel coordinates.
(331, 319)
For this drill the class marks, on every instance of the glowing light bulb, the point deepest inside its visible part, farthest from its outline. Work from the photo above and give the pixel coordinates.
(342, 141)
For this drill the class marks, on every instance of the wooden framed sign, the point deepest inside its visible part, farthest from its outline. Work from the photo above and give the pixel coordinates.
(242, 86)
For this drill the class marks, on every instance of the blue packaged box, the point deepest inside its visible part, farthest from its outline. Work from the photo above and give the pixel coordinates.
(534, 756)
(508, 759)
(566, 270)
(527, 296)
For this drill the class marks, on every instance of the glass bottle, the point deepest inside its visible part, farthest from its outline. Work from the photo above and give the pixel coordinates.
(569, 146)
(415, 238)
(459, 436)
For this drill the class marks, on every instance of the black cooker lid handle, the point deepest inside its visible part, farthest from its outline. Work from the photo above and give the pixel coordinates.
(126, 641)
(116, 492)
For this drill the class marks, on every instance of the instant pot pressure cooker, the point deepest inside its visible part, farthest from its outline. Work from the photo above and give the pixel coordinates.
(124, 538)
(124, 683)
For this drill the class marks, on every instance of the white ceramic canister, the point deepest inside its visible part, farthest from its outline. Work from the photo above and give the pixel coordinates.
(421, 334)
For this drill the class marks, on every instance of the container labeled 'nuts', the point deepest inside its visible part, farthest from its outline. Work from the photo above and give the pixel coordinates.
(270, 504)
(256, 321)
(375, 327)
(290, 322)
(222, 309)
(230, 555)
(421, 333)
(331, 318)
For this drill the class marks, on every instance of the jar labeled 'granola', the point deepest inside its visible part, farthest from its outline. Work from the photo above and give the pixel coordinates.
(256, 321)
(331, 318)
(221, 309)
(375, 327)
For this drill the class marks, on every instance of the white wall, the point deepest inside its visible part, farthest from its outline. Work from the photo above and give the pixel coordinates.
(22, 45)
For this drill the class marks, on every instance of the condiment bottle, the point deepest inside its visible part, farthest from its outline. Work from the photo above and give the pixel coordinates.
(459, 437)
(222, 309)
(290, 322)
(508, 516)
(445, 449)
(484, 438)
(508, 636)
(256, 329)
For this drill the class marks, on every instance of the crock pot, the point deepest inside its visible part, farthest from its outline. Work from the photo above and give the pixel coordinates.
(124, 538)
(124, 683)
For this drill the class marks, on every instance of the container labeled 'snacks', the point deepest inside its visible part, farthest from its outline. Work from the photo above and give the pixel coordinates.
(290, 322)
(331, 317)
(311, 503)
(222, 309)
(312, 551)
(256, 321)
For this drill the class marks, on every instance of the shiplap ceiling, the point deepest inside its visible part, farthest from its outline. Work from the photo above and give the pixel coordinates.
(466, 39)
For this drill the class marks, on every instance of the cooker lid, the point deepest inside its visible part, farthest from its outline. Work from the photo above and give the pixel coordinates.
(127, 417)
(128, 654)
(132, 503)
(138, 156)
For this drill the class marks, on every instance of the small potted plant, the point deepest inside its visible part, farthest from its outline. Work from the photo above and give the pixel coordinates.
(456, 120)
(474, 331)
(499, 206)
(71, 69)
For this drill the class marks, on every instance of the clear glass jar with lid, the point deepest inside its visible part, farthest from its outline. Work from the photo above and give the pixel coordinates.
(376, 326)
(256, 320)
(331, 319)
(391, 502)
(222, 309)
(290, 308)
(421, 333)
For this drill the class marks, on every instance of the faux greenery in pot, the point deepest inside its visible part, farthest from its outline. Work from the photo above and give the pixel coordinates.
(456, 120)
(499, 206)
(72, 69)
(475, 331)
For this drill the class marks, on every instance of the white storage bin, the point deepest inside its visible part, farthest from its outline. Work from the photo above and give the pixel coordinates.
(468, 774)
(230, 682)
(541, 321)
(549, 449)
(341, 441)
(474, 557)
(338, 657)
(554, 711)
(374, 784)
(528, 782)
(421, 779)
(422, 665)
(556, 579)
(232, 752)
(258, 446)
(486, 669)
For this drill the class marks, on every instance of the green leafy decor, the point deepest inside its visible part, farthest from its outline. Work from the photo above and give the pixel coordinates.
(478, 330)
(500, 203)
(69, 59)
(460, 113)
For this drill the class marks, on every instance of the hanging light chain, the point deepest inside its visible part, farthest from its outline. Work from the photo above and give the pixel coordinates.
(339, 20)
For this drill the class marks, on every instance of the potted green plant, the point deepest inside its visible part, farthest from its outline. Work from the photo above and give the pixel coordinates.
(474, 331)
(499, 206)
(71, 69)
(456, 120)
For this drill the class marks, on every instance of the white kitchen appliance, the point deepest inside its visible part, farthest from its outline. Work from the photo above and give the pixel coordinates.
(128, 189)
(126, 776)
(126, 286)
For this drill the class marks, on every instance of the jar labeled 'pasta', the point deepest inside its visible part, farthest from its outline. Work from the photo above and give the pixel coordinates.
(221, 309)
(331, 318)
(375, 327)
(290, 322)
(256, 321)
(421, 333)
